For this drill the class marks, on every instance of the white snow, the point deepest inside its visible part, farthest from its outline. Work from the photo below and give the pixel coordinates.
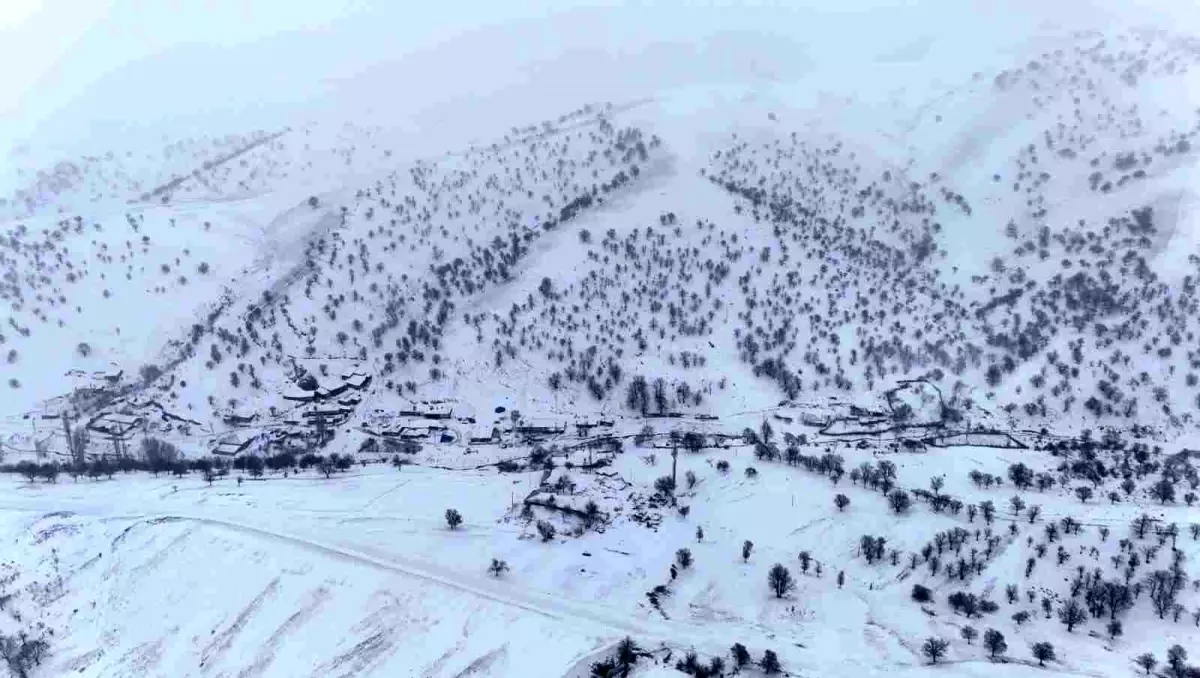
(451, 238)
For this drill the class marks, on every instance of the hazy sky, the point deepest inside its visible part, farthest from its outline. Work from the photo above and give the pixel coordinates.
(83, 71)
(63, 51)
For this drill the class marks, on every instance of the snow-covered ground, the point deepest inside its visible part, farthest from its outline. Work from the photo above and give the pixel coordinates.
(830, 265)
(359, 574)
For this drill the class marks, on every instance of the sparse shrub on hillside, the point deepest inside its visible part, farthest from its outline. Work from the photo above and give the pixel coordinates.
(1043, 652)
(747, 548)
(1021, 476)
(899, 501)
(1164, 586)
(1176, 661)
(994, 642)
(970, 605)
(741, 656)
(805, 561)
(1017, 504)
(1163, 490)
(665, 486)
(28, 469)
(683, 557)
(780, 580)
(628, 653)
(49, 472)
(591, 513)
(546, 530)
(254, 465)
(988, 509)
(934, 649)
(149, 373)
(453, 518)
(497, 567)
(921, 594)
(841, 501)
(770, 663)
(22, 652)
(158, 454)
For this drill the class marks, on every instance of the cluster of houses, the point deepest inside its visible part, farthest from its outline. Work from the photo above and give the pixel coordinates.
(447, 422)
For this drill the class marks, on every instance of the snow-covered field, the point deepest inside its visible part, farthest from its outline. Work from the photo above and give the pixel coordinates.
(881, 300)
(359, 573)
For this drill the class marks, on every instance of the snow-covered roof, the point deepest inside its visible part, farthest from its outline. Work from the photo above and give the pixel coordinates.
(483, 431)
(231, 446)
(116, 424)
(296, 393)
(541, 422)
(356, 380)
(437, 409)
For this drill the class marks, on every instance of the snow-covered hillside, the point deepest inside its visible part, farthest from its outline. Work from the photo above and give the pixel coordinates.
(931, 351)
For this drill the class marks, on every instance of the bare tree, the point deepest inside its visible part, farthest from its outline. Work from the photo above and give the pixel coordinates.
(1043, 652)
(498, 567)
(993, 640)
(779, 579)
(1071, 614)
(934, 648)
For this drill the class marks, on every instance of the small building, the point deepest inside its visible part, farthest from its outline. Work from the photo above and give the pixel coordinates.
(113, 425)
(584, 425)
(330, 416)
(296, 394)
(415, 433)
(99, 380)
(231, 446)
(484, 434)
(356, 380)
(436, 411)
(234, 419)
(540, 427)
(328, 393)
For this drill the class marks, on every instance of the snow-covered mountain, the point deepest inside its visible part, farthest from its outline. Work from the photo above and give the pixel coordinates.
(779, 277)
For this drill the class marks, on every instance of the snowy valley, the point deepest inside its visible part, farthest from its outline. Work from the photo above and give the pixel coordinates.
(709, 380)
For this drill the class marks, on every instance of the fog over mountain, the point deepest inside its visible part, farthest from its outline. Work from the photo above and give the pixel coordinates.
(836, 340)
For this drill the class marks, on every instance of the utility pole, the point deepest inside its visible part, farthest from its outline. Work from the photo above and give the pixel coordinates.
(674, 459)
(66, 422)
